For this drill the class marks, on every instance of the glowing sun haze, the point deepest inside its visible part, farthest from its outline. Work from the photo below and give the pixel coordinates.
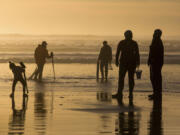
(97, 17)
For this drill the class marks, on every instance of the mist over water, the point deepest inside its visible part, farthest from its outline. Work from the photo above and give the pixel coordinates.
(75, 49)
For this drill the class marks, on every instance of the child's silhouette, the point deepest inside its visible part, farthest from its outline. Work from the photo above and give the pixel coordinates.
(19, 75)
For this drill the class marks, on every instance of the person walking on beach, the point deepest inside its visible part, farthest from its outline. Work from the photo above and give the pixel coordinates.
(155, 62)
(40, 55)
(129, 61)
(18, 72)
(105, 58)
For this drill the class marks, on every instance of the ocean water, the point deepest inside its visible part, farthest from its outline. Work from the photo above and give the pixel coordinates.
(76, 56)
(75, 49)
(83, 77)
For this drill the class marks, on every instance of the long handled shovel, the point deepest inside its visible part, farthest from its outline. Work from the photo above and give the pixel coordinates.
(26, 82)
(31, 77)
(53, 67)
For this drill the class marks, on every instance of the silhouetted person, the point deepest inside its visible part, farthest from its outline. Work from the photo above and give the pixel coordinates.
(128, 52)
(155, 123)
(105, 58)
(155, 62)
(41, 53)
(18, 118)
(19, 75)
(128, 122)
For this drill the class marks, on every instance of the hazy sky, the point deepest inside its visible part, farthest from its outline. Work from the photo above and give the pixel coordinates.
(101, 17)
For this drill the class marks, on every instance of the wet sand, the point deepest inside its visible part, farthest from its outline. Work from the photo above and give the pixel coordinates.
(81, 107)
(50, 112)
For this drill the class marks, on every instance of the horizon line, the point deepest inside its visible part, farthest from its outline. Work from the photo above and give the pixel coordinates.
(93, 35)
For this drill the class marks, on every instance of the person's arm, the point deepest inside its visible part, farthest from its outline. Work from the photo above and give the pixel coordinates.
(110, 55)
(100, 55)
(149, 57)
(117, 54)
(162, 54)
(47, 54)
(35, 54)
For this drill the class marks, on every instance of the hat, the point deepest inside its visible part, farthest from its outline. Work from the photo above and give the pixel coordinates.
(105, 42)
(44, 43)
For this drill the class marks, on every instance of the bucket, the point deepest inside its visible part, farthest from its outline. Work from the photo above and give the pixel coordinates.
(138, 73)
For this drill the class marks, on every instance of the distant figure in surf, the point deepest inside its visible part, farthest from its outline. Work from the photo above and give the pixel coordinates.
(40, 55)
(155, 62)
(19, 75)
(129, 60)
(105, 58)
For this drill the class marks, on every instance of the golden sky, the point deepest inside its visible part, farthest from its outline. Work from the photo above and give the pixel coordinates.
(97, 17)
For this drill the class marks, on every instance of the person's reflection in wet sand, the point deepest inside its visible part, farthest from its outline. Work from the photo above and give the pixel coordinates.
(105, 118)
(17, 121)
(155, 123)
(40, 110)
(128, 122)
(104, 96)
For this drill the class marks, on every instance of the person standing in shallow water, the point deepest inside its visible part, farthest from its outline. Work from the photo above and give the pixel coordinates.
(128, 62)
(41, 53)
(105, 58)
(19, 76)
(155, 62)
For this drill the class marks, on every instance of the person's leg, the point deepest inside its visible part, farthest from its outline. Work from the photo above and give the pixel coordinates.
(23, 82)
(102, 70)
(152, 78)
(33, 74)
(157, 81)
(160, 80)
(41, 67)
(122, 73)
(106, 71)
(37, 71)
(13, 87)
(131, 72)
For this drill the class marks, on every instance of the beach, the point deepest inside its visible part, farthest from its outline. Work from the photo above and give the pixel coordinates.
(55, 49)
(76, 103)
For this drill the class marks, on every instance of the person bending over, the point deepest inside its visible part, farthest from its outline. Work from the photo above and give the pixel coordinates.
(19, 75)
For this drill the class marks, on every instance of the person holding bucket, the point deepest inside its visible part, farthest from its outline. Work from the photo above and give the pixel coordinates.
(155, 62)
(128, 62)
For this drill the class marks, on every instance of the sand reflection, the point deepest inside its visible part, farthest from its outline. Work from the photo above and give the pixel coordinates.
(17, 119)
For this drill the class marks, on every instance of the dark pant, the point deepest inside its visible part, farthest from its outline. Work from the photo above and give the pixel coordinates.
(156, 79)
(122, 73)
(23, 82)
(102, 66)
(39, 71)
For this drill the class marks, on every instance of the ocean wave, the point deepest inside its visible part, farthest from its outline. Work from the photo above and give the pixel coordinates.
(78, 58)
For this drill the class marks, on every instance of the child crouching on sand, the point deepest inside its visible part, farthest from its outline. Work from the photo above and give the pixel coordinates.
(19, 75)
